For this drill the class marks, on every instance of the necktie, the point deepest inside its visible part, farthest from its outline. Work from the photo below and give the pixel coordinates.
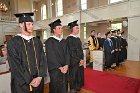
(110, 43)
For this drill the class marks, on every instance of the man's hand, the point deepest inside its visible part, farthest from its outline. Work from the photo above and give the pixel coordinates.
(81, 63)
(64, 69)
(36, 82)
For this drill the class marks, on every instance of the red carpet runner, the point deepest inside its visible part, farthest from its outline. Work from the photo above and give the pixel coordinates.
(103, 82)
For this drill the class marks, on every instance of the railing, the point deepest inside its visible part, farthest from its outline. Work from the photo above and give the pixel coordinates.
(7, 19)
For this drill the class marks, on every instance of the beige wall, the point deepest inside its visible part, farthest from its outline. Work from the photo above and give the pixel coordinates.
(66, 32)
(54, 8)
(92, 3)
(103, 2)
(70, 6)
(37, 6)
(96, 3)
(101, 27)
(24, 6)
(12, 7)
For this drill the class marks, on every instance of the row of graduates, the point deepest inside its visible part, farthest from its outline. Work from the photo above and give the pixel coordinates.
(115, 49)
(118, 46)
(28, 62)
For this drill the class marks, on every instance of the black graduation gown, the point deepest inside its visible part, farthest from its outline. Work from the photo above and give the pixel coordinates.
(76, 72)
(108, 55)
(124, 48)
(116, 53)
(17, 58)
(120, 57)
(100, 42)
(57, 56)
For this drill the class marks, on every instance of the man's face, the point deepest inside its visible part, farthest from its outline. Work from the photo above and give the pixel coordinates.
(29, 26)
(76, 29)
(99, 35)
(93, 33)
(58, 30)
(109, 35)
(114, 33)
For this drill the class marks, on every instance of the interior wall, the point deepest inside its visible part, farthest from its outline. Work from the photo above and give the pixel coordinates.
(81, 32)
(96, 3)
(66, 32)
(92, 3)
(133, 38)
(37, 6)
(101, 27)
(70, 6)
(53, 8)
(7, 29)
(103, 2)
(12, 8)
(24, 6)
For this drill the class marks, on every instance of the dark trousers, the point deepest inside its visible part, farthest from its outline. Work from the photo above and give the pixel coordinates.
(16, 87)
(58, 82)
(116, 58)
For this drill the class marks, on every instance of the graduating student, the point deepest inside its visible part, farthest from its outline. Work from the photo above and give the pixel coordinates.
(26, 59)
(76, 69)
(108, 51)
(116, 44)
(57, 59)
(120, 57)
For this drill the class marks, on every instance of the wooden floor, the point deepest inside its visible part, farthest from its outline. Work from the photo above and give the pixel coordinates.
(128, 69)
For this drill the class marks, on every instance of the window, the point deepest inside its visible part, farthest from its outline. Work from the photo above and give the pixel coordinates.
(83, 4)
(46, 34)
(59, 10)
(114, 1)
(85, 32)
(43, 12)
(116, 26)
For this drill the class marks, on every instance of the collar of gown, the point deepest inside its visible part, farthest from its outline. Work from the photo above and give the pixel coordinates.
(57, 38)
(73, 35)
(25, 37)
(108, 39)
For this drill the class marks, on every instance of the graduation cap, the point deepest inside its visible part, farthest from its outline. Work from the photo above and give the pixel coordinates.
(107, 33)
(118, 30)
(24, 17)
(114, 31)
(73, 24)
(54, 24)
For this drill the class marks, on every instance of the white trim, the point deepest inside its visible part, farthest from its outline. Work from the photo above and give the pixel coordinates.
(25, 37)
(57, 38)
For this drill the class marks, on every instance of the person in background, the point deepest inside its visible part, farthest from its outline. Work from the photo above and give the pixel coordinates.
(1, 46)
(124, 47)
(76, 69)
(108, 51)
(116, 45)
(100, 40)
(58, 59)
(119, 37)
(4, 54)
(26, 59)
(93, 44)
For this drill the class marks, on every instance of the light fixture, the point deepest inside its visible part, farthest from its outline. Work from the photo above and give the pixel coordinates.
(3, 7)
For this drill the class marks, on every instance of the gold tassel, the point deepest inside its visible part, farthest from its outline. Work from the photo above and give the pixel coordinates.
(31, 89)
